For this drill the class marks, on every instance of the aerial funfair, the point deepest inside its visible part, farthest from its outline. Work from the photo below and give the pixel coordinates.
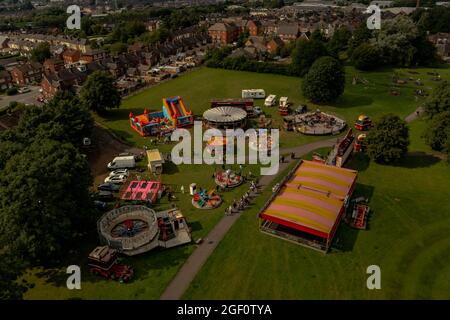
(202, 199)
(134, 229)
(174, 114)
(228, 179)
(319, 123)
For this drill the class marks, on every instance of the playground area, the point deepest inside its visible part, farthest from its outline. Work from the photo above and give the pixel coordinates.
(203, 199)
(174, 115)
(146, 191)
(133, 230)
(319, 123)
(228, 179)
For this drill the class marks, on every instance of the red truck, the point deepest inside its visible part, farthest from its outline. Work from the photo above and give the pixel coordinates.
(102, 261)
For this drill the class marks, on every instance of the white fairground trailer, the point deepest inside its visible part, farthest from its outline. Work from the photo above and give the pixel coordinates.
(271, 100)
(253, 93)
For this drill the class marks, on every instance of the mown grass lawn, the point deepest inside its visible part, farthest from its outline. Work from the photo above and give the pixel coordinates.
(408, 237)
(154, 270)
(199, 86)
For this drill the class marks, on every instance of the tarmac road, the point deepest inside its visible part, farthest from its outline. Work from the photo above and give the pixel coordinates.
(26, 98)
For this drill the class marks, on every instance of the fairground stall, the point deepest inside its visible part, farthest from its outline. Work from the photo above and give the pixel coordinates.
(309, 204)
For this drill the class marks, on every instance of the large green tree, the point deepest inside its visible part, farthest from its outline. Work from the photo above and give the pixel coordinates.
(44, 200)
(10, 270)
(305, 53)
(99, 92)
(439, 100)
(41, 52)
(395, 40)
(366, 57)
(437, 135)
(339, 41)
(64, 119)
(325, 80)
(388, 141)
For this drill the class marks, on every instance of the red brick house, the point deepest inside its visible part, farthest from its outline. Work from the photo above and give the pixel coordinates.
(5, 80)
(27, 73)
(223, 32)
(94, 55)
(254, 27)
(64, 79)
(71, 56)
(53, 65)
(274, 44)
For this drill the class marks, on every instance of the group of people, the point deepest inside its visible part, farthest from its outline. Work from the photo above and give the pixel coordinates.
(244, 201)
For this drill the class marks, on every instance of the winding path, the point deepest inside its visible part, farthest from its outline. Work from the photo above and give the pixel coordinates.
(197, 259)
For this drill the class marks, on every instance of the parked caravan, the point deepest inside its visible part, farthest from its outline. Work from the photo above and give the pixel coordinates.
(253, 93)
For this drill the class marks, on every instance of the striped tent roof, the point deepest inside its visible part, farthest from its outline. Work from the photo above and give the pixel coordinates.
(312, 199)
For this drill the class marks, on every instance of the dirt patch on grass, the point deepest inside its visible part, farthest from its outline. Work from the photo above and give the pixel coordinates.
(105, 146)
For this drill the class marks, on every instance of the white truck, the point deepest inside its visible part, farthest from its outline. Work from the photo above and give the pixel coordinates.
(253, 93)
(122, 163)
(284, 101)
(271, 100)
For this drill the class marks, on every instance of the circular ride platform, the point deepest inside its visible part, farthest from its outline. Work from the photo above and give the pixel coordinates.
(225, 118)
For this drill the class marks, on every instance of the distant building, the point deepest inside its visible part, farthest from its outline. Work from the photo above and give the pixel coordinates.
(71, 56)
(27, 73)
(274, 44)
(5, 80)
(223, 32)
(383, 4)
(288, 32)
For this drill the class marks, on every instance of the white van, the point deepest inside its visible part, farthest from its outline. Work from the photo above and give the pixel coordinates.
(253, 93)
(284, 101)
(271, 100)
(122, 163)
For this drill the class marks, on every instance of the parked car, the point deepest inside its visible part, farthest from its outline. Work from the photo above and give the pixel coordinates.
(117, 179)
(23, 90)
(119, 172)
(258, 111)
(301, 109)
(105, 196)
(108, 187)
(100, 205)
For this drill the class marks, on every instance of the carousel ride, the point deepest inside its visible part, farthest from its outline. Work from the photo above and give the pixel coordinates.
(319, 123)
(228, 179)
(206, 199)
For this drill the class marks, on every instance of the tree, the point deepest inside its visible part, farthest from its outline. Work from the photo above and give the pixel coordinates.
(64, 119)
(366, 57)
(305, 53)
(359, 36)
(439, 100)
(44, 200)
(395, 39)
(99, 92)
(41, 52)
(339, 41)
(325, 80)
(388, 141)
(437, 135)
(10, 270)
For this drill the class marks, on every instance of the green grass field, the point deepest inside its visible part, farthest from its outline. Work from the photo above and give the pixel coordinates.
(198, 87)
(405, 200)
(408, 237)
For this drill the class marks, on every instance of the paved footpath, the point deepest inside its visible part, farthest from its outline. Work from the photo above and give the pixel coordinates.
(197, 259)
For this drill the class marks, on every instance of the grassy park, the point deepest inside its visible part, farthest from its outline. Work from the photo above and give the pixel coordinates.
(410, 213)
